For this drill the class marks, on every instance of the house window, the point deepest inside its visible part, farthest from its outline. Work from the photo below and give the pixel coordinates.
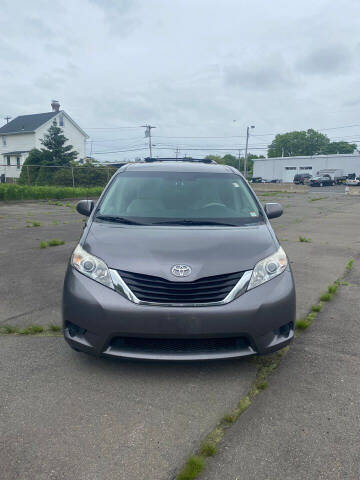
(290, 168)
(8, 160)
(4, 140)
(61, 120)
(18, 163)
(305, 168)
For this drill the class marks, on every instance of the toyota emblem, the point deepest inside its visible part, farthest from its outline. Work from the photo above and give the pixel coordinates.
(181, 270)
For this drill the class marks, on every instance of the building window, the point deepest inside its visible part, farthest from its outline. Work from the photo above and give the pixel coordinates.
(61, 120)
(8, 160)
(4, 140)
(305, 168)
(290, 168)
(18, 163)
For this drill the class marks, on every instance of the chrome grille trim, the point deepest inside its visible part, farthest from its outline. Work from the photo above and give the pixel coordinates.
(123, 289)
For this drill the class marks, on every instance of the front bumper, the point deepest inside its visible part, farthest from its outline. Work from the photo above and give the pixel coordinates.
(259, 321)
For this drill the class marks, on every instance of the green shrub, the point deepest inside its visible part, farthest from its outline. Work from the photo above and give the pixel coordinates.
(12, 191)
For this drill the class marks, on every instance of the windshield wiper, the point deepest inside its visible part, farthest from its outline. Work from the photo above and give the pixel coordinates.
(194, 222)
(111, 218)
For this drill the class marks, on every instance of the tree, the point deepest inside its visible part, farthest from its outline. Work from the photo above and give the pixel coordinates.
(54, 141)
(309, 142)
(35, 159)
(233, 161)
(298, 143)
(341, 147)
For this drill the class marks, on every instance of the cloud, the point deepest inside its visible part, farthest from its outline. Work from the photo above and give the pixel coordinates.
(326, 60)
(273, 75)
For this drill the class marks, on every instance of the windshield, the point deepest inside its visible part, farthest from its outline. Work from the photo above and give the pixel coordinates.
(179, 198)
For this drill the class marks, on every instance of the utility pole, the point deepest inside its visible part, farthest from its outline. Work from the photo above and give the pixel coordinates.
(239, 160)
(177, 152)
(7, 118)
(148, 135)
(246, 148)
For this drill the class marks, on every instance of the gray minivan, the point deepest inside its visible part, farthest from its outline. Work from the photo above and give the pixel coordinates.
(178, 261)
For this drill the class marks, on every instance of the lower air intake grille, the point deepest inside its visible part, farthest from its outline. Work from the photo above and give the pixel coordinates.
(163, 346)
(159, 290)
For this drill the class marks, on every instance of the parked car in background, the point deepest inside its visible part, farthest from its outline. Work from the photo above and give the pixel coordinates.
(257, 180)
(340, 180)
(353, 182)
(324, 181)
(302, 178)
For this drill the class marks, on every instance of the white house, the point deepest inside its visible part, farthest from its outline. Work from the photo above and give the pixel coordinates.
(285, 168)
(25, 132)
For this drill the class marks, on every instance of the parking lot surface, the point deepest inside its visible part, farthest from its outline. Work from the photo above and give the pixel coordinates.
(65, 415)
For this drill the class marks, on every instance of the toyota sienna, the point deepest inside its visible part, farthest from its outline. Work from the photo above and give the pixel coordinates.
(178, 261)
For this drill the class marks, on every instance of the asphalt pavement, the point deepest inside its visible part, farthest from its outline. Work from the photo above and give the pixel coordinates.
(65, 415)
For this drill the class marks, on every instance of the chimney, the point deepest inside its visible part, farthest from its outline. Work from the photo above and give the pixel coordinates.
(55, 105)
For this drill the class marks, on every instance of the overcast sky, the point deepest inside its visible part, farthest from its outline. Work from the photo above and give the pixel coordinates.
(189, 67)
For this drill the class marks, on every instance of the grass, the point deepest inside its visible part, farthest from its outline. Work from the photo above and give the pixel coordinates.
(304, 239)
(54, 328)
(316, 308)
(315, 199)
(350, 265)
(30, 330)
(326, 297)
(25, 192)
(55, 222)
(192, 468)
(52, 243)
(33, 224)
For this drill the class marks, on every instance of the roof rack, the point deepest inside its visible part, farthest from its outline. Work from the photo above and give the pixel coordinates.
(185, 159)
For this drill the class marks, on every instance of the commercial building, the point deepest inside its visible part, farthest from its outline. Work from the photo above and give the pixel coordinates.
(285, 168)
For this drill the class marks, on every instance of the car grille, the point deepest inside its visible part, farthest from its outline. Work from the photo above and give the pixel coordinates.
(178, 346)
(159, 290)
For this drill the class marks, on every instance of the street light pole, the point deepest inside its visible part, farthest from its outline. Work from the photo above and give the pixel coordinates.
(246, 148)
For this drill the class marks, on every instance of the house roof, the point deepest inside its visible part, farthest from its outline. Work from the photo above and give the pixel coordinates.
(17, 152)
(27, 123)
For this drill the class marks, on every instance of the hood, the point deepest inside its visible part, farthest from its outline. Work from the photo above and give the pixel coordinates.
(154, 250)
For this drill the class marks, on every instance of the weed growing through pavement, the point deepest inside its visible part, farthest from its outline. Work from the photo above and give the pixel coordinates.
(193, 467)
(315, 199)
(326, 297)
(304, 239)
(33, 224)
(350, 265)
(52, 243)
(30, 330)
(316, 308)
(55, 222)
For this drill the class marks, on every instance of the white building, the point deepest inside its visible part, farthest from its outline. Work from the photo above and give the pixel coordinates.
(25, 132)
(285, 168)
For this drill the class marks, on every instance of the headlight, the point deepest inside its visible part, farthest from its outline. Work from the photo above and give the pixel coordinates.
(268, 268)
(91, 266)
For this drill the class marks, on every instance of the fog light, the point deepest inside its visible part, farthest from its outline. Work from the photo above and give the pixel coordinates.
(284, 330)
(75, 330)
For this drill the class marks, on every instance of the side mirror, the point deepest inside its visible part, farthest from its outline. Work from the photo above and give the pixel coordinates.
(85, 207)
(273, 210)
